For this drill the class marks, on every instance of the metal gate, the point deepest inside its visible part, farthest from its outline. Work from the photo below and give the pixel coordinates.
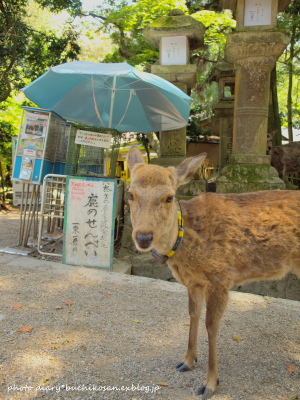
(52, 210)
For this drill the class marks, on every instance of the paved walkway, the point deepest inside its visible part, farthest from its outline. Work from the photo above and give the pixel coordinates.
(91, 329)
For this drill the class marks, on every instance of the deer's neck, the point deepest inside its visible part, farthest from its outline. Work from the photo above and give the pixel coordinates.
(172, 243)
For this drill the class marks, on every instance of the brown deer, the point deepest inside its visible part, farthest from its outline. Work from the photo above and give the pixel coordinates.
(227, 239)
(286, 158)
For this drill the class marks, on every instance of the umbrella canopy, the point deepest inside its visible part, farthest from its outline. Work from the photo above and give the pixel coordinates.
(114, 96)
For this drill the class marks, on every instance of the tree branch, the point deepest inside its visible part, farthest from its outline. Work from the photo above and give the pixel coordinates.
(92, 14)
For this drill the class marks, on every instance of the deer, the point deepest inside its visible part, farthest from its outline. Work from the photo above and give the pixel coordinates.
(211, 242)
(286, 158)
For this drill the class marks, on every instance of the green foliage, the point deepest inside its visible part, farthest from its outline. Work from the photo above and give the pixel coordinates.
(201, 109)
(141, 14)
(198, 5)
(12, 32)
(135, 52)
(125, 23)
(11, 110)
(94, 47)
(73, 6)
(193, 129)
(282, 84)
(218, 26)
(26, 52)
(28, 48)
(288, 69)
(46, 49)
(6, 133)
(290, 18)
(10, 116)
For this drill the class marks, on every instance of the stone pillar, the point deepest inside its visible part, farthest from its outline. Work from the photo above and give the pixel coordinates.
(173, 143)
(254, 55)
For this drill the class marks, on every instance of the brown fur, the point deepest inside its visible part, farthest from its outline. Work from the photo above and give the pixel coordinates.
(286, 158)
(229, 239)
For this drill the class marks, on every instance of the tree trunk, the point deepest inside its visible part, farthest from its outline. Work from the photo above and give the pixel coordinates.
(290, 86)
(274, 123)
(2, 199)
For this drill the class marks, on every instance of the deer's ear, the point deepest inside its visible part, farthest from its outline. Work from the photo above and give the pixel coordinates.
(134, 156)
(186, 170)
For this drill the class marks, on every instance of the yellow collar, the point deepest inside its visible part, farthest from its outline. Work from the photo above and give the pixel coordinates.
(163, 259)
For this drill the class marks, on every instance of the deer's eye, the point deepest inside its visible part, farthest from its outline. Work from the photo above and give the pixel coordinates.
(169, 199)
(130, 196)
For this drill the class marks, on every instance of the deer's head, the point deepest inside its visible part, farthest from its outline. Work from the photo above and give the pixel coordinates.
(151, 197)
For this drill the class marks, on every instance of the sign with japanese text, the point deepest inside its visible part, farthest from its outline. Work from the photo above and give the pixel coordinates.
(257, 12)
(89, 222)
(174, 50)
(95, 139)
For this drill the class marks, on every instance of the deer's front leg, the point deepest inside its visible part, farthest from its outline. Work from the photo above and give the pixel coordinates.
(196, 295)
(215, 307)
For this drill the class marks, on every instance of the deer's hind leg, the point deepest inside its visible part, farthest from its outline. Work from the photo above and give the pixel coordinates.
(196, 296)
(216, 303)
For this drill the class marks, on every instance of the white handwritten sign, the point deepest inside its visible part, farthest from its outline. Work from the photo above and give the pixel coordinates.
(89, 222)
(257, 12)
(174, 50)
(96, 139)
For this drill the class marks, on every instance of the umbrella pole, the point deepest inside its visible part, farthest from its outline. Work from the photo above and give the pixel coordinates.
(112, 101)
(95, 103)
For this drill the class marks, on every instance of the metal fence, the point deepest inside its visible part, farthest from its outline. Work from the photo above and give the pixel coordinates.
(52, 210)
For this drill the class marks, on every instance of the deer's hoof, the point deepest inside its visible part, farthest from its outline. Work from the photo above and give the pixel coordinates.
(206, 392)
(182, 367)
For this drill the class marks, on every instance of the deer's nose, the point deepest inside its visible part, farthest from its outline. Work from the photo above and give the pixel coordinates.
(144, 240)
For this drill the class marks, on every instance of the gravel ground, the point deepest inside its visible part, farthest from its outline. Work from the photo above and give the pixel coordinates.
(9, 237)
(93, 329)
(9, 227)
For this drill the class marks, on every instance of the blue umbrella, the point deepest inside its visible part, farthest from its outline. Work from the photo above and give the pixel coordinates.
(114, 96)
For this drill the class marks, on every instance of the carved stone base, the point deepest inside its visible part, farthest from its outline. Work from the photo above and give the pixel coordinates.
(191, 189)
(242, 178)
(171, 161)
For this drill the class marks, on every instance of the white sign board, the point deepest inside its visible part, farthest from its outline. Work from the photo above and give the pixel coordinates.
(257, 12)
(95, 139)
(89, 221)
(173, 50)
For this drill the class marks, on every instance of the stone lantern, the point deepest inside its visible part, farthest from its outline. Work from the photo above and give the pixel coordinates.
(175, 36)
(223, 74)
(253, 50)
